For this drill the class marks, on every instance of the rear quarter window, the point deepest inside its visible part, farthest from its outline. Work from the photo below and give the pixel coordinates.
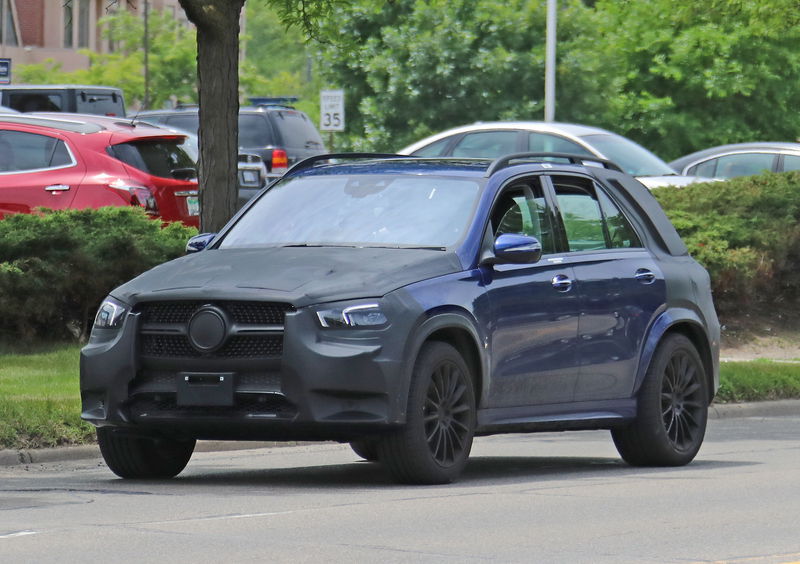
(165, 158)
(296, 129)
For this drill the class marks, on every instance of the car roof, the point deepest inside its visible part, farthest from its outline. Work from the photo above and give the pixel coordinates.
(57, 87)
(569, 129)
(761, 146)
(194, 109)
(87, 123)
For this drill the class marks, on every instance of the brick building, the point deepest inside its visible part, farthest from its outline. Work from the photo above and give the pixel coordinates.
(32, 31)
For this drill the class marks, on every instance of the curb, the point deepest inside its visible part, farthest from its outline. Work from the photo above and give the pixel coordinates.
(11, 457)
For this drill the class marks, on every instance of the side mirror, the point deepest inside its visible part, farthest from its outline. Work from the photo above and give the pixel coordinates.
(199, 242)
(517, 249)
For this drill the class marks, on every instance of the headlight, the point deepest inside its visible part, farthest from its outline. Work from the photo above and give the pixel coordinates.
(363, 315)
(111, 314)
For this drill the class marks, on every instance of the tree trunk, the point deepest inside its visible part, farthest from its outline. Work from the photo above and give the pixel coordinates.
(217, 23)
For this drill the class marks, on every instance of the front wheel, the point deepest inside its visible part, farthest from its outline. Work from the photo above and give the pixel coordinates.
(136, 457)
(672, 411)
(434, 444)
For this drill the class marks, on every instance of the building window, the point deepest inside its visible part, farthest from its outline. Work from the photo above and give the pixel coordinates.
(8, 31)
(77, 20)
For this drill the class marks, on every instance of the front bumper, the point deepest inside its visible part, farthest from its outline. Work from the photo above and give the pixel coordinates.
(319, 384)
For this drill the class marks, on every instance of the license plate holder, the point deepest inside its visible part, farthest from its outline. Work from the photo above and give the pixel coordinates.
(193, 205)
(205, 388)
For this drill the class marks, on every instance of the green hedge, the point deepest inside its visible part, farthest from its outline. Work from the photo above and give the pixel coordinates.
(746, 232)
(57, 266)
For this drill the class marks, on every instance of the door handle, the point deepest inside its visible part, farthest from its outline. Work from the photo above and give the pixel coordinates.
(57, 188)
(562, 283)
(645, 276)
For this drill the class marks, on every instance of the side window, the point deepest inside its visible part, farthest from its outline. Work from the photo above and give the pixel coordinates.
(706, 169)
(791, 162)
(745, 164)
(486, 144)
(20, 151)
(435, 149)
(591, 220)
(521, 209)
(620, 232)
(547, 143)
(35, 102)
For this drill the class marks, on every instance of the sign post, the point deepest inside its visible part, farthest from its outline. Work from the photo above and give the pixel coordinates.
(331, 112)
(5, 71)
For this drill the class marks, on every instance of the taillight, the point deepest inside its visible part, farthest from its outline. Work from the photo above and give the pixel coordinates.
(140, 196)
(280, 161)
(143, 197)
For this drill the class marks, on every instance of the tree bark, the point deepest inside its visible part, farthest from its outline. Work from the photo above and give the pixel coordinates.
(217, 23)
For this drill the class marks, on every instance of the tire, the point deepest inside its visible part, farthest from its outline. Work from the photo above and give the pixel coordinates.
(434, 444)
(366, 449)
(673, 409)
(143, 458)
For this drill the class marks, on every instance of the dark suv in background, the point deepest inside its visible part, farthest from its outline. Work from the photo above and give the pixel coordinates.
(279, 134)
(72, 98)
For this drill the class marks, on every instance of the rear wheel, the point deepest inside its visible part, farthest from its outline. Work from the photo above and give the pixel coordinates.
(434, 444)
(673, 409)
(137, 457)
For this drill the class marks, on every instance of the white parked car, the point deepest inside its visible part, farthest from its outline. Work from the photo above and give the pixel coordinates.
(494, 139)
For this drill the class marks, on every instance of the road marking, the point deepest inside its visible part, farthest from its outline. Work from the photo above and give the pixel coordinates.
(18, 534)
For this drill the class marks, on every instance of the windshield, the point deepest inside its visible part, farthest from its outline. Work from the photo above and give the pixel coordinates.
(359, 210)
(632, 158)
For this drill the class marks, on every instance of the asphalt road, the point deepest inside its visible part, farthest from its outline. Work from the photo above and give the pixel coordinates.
(560, 497)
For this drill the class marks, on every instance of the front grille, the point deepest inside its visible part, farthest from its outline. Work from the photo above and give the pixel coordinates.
(178, 346)
(257, 329)
(245, 313)
(250, 348)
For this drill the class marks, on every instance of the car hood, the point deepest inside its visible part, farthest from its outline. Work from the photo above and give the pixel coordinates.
(298, 275)
(672, 180)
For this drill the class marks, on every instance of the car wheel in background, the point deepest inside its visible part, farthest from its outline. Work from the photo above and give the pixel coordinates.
(673, 409)
(434, 444)
(138, 457)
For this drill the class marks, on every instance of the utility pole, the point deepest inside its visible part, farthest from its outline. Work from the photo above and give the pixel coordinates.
(146, 42)
(550, 64)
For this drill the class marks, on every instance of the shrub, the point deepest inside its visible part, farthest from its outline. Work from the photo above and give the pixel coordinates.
(745, 231)
(57, 266)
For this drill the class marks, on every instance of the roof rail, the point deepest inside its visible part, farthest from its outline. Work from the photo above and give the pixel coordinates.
(311, 161)
(505, 160)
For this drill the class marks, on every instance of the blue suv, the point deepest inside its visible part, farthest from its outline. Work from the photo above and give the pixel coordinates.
(406, 305)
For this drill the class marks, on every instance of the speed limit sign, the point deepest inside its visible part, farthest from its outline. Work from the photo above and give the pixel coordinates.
(331, 110)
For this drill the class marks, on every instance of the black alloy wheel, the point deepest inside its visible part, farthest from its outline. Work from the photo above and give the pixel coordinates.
(434, 444)
(672, 408)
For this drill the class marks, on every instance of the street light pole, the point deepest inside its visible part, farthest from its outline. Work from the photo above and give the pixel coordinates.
(550, 63)
(146, 102)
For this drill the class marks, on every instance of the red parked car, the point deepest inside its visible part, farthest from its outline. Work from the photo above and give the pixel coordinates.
(61, 161)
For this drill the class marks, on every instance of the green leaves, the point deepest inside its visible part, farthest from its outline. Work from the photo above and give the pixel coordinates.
(56, 267)
(746, 232)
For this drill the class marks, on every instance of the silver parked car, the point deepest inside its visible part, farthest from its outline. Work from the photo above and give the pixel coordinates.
(494, 139)
(740, 159)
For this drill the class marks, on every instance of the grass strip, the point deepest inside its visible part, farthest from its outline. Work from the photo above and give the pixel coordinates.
(758, 380)
(40, 399)
(40, 396)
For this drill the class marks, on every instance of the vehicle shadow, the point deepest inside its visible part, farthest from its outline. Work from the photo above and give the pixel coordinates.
(480, 470)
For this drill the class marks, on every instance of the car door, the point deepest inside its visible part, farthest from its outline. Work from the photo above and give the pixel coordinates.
(620, 287)
(36, 170)
(535, 309)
